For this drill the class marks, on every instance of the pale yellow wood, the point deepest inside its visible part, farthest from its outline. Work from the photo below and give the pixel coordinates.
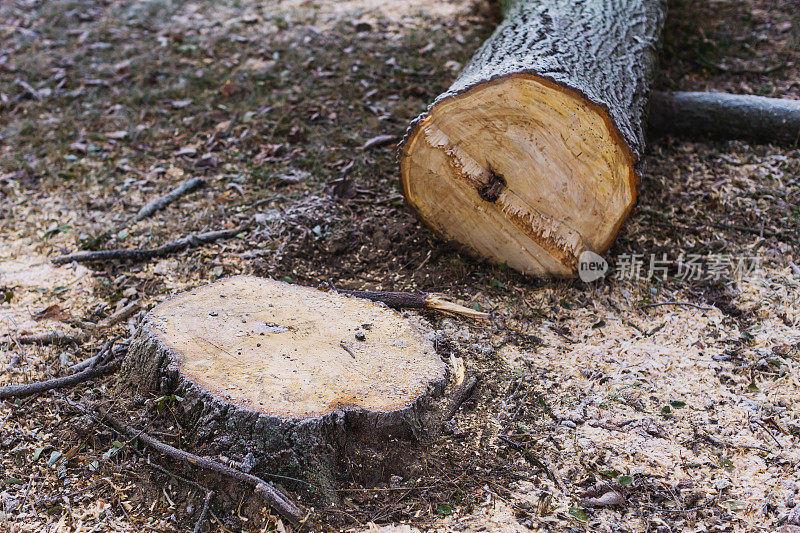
(294, 352)
(569, 180)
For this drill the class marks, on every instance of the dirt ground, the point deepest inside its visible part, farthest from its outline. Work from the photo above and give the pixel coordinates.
(689, 413)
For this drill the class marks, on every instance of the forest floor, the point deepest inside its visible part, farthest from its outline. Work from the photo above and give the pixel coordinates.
(690, 413)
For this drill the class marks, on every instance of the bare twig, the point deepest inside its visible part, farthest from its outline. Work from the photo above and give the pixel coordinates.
(103, 357)
(459, 396)
(684, 304)
(105, 422)
(29, 389)
(347, 349)
(145, 254)
(762, 426)
(62, 337)
(531, 458)
(51, 337)
(120, 316)
(161, 202)
(11, 364)
(86, 363)
(276, 499)
(148, 209)
(379, 140)
(204, 512)
(415, 300)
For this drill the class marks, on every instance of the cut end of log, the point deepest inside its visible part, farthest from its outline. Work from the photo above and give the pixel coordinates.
(295, 352)
(522, 171)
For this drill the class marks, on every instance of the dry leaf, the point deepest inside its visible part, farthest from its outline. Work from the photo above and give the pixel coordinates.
(379, 140)
(53, 312)
(227, 89)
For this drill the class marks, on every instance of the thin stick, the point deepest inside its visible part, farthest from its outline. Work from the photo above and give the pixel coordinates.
(51, 337)
(686, 304)
(91, 371)
(77, 367)
(415, 300)
(204, 512)
(145, 254)
(531, 457)
(62, 337)
(276, 499)
(459, 396)
(161, 202)
(347, 349)
(11, 364)
(29, 389)
(119, 316)
(100, 420)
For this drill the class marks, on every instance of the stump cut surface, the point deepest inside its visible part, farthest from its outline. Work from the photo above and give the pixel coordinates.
(295, 352)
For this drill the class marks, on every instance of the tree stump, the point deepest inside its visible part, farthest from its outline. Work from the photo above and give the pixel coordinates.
(532, 156)
(315, 385)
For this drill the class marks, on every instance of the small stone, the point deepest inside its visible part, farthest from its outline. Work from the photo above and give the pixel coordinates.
(794, 516)
(569, 424)
(213, 313)
(360, 336)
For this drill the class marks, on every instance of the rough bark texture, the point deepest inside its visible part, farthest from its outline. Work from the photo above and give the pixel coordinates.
(605, 50)
(600, 55)
(726, 116)
(347, 441)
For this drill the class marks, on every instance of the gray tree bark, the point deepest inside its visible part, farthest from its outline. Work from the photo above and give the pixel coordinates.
(605, 50)
(728, 116)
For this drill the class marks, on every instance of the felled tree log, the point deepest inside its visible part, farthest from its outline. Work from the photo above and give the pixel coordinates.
(727, 116)
(532, 156)
(316, 385)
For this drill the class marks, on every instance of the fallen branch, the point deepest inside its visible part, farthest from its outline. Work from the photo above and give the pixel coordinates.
(86, 363)
(52, 337)
(145, 254)
(148, 209)
(459, 396)
(533, 459)
(29, 389)
(727, 116)
(11, 364)
(100, 365)
(206, 503)
(205, 490)
(121, 315)
(415, 300)
(275, 498)
(161, 202)
(62, 337)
